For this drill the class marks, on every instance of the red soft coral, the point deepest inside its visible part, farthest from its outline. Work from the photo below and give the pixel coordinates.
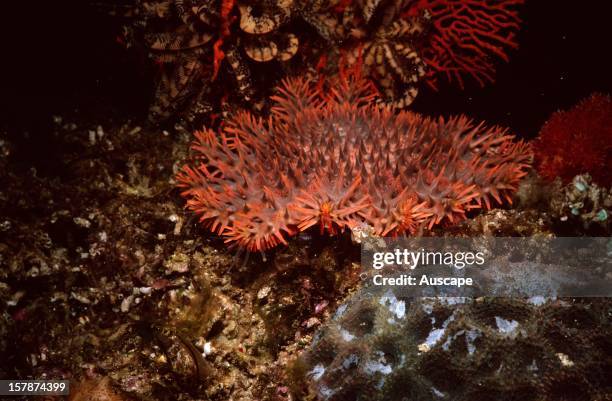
(578, 141)
(338, 160)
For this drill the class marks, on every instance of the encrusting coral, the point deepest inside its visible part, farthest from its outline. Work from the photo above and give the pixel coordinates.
(382, 347)
(330, 156)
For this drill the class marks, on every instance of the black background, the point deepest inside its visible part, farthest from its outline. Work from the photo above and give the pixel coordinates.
(62, 56)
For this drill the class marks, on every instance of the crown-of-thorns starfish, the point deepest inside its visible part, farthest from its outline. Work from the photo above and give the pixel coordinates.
(331, 156)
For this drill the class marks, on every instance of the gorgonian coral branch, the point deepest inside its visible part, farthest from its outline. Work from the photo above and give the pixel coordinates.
(467, 35)
(334, 158)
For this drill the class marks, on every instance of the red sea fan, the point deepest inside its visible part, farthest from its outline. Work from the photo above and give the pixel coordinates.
(578, 141)
(467, 36)
(336, 159)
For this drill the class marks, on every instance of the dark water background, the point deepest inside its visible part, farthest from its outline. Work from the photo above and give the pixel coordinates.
(62, 55)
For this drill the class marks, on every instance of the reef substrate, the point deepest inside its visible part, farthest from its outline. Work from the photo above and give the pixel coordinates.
(107, 282)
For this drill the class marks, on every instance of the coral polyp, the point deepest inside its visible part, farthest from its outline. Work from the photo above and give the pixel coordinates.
(330, 156)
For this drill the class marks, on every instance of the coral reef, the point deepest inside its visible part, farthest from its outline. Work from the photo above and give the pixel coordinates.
(577, 141)
(381, 347)
(335, 159)
(399, 43)
(104, 281)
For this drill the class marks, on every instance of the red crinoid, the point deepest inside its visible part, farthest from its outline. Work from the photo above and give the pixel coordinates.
(467, 36)
(336, 159)
(578, 141)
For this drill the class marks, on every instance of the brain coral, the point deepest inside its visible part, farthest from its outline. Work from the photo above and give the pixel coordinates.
(578, 141)
(331, 156)
(379, 347)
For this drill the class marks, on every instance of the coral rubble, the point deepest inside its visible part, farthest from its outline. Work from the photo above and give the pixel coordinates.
(333, 158)
(103, 281)
(578, 141)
